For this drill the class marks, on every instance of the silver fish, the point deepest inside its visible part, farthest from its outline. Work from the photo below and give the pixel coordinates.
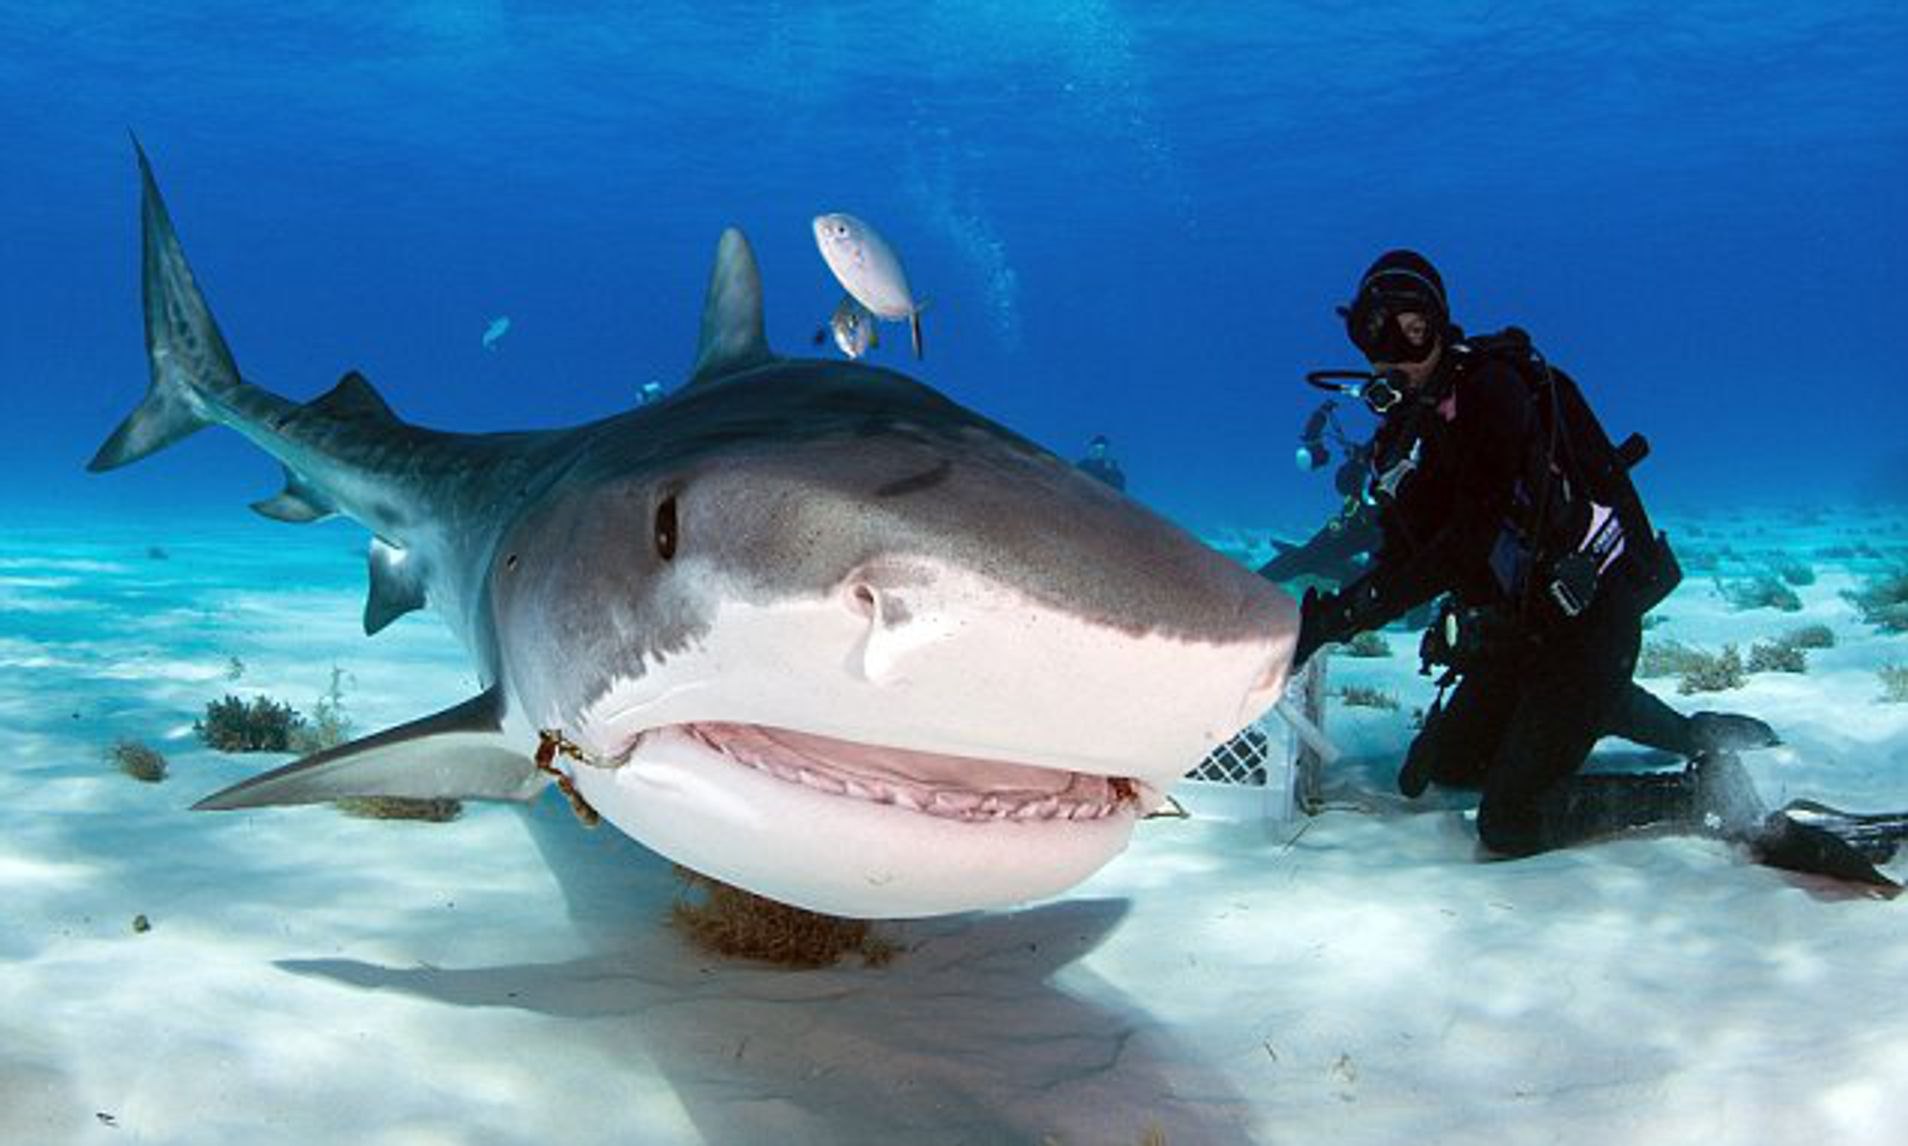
(854, 329)
(869, 270)
(498, 327)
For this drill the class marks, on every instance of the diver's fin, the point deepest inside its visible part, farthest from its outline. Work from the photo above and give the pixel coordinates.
(732, 338)
(298, 503)
(397, 585)
(459, 753)
(1792, 845)
(1876, 835)
(185, 352)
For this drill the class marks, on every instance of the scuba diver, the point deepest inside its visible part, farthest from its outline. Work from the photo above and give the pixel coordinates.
(1337, 551)
(1098, 463)
(1494, 485)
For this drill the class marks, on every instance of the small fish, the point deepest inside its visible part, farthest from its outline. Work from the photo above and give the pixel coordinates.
(853, 328)
(498, 327)
(869, 270)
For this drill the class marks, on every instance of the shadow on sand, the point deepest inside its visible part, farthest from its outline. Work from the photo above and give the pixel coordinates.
(967, 1037)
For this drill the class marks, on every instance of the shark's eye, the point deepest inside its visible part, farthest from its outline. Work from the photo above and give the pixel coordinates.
(666, 528)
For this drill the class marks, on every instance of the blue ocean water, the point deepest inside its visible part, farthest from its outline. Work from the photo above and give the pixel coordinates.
(1130, 219)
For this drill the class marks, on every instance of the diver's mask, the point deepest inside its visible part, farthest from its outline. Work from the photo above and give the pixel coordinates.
(1373, 320)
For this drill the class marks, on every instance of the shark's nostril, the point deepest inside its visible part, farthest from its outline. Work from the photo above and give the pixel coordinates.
(864, 600)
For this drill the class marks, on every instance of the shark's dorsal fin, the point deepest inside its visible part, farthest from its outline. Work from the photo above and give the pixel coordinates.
(300, 502)
(460, 753)
(353, 399)
(397, 585)
(732, 338)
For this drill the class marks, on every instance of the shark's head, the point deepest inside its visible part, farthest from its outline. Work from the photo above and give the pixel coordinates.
(822, 633)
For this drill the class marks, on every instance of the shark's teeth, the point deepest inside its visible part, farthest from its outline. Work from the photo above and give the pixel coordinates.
(1078, 798)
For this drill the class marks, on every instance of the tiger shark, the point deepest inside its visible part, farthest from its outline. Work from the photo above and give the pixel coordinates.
(808, 627)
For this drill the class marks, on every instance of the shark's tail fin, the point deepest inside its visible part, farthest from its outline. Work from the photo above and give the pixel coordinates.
(188, 356)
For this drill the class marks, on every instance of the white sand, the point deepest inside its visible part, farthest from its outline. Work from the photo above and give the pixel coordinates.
(1358, 978)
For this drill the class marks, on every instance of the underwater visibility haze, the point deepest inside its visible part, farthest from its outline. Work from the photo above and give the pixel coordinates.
(1124, 219)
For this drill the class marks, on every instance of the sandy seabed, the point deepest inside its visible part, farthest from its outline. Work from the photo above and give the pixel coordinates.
(1353, 977)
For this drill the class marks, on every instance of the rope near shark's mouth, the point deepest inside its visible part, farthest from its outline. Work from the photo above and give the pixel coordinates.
(950, 787)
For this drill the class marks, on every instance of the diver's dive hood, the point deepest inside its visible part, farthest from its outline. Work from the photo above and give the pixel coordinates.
(1399, 282)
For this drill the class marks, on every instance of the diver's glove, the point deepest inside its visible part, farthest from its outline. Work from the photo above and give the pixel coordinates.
(1323, 618)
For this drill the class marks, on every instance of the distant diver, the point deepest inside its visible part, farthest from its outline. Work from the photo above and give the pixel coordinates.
(1494, 483)
(1100, 464)
(498, 327)
(869, 270)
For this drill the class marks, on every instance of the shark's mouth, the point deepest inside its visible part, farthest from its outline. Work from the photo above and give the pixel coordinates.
(950, 787)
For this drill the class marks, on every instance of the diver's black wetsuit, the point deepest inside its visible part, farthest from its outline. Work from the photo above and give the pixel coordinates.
(1536, 697)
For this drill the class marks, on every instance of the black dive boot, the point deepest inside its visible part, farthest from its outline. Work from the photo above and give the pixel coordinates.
(1641, 718)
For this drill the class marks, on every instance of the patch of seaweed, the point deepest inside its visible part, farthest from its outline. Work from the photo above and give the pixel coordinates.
(1364, 696)
(1894, 678)
(1809, 637)
(1716, 672)
(1795, 571)
(264, 725)
(1883, 602)
(329, 725)
(432, 810)
(1764, 591)
(737, 924)
(1370, 644)
(138, 760)
(1777, 656)
(1668, 657)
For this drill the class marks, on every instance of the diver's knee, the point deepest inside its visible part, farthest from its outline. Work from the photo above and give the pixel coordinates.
(1510, 833)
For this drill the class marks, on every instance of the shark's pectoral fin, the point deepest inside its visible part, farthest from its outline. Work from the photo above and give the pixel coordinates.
(397, 585)
(459, 753)
(732, 338)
